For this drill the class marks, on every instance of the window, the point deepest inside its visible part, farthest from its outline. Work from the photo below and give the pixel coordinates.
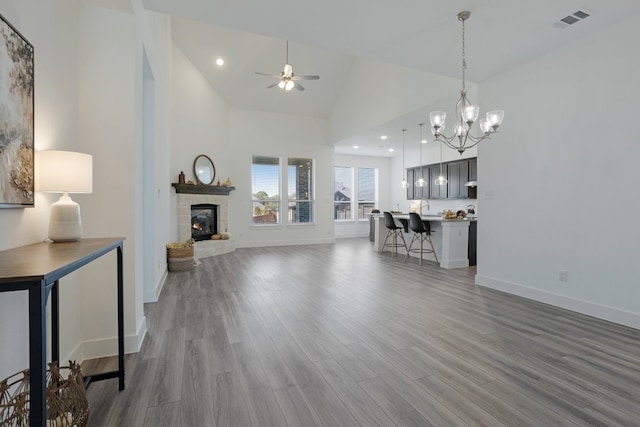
(265, 188)
(366, 191)
(300, 194)
(343, 185)
(344, 202)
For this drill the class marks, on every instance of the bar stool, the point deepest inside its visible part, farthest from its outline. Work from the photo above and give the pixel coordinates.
(393, 231)
(421, 233)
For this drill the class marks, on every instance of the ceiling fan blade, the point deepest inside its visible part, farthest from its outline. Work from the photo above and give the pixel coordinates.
(269, 75)
(273, 85)
(308, 77)
(298, 86)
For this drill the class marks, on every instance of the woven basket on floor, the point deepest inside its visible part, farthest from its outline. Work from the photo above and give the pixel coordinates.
(180, 257)
(67, 404)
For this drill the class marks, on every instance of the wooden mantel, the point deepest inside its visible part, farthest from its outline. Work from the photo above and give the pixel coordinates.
(202, 189)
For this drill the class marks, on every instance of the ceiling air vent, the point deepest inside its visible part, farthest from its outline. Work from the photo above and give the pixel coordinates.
(569, 20)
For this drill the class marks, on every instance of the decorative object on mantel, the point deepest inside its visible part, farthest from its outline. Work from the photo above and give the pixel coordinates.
(466, 113)
(227, 183)
(202, 189)
(181, 178)
(218, 184)
(204, 170)
(16, 116)
(180, 256)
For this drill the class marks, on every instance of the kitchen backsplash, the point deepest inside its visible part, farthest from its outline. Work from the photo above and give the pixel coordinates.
(434, 207)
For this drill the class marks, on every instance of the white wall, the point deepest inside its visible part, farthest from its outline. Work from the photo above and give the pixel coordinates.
(375, 92)
(50, 25)
(278, 135)
(158, 48)
(361, 228)
(199, 125)
(110, 108)
(203, 124)
(559, 184)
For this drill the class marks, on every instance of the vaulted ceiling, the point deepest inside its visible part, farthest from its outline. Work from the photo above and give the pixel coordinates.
(326, 37)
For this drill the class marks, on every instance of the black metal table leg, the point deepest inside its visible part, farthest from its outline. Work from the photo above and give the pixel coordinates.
(37, 352)
(120, 320)
(55, 322)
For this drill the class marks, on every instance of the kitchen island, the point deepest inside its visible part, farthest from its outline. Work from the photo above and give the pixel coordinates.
(450, 238)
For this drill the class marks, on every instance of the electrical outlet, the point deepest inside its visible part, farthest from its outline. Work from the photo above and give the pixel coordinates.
(563, 276)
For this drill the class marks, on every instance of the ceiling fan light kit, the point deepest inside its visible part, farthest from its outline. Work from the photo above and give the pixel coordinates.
(466, 113)
(287, 80)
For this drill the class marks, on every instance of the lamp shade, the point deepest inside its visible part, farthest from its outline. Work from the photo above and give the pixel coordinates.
(64, 172)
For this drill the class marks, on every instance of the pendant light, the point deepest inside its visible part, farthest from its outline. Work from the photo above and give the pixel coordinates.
(404, 183)
(441, 180)
(421, 181)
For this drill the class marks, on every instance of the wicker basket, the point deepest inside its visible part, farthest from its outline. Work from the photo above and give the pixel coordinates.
(67, 404)
(180, 258)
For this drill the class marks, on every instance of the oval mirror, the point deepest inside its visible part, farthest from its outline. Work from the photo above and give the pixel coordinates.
(204, 170)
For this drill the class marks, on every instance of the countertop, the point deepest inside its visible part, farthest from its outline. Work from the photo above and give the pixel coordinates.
(437, 217)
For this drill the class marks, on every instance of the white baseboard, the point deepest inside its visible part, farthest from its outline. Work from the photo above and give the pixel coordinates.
(105, 347)
(152, 295)
(75, 355)
(352, 235)
(285, 243)
(599, 311)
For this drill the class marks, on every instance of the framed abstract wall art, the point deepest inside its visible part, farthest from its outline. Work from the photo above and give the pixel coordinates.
(16, 118)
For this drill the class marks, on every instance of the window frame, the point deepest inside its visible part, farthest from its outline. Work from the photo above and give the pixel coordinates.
(279, 201)
(311, 200)
(374, 201)
(350, 202)
(283, 212)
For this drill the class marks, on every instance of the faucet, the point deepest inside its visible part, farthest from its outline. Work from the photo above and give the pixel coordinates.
(422, 206)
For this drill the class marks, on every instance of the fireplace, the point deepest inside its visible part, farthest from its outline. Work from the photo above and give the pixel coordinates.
(204, 221)
(190, 197)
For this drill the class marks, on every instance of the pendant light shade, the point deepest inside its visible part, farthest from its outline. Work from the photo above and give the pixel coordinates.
(404, 183)
(440, 180)
(421, 182)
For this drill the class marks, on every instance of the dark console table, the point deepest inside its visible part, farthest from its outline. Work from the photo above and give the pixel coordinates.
(37, 269)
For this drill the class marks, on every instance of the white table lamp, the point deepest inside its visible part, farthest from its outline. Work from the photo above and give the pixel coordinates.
(64, 172)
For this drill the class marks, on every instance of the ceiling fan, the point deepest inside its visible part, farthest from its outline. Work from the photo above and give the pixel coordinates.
(288, 80)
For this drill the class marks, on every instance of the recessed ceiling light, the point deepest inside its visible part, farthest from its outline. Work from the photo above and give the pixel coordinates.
(391, 150)
(383, 137)
(219, 62)
(356, 147)
(424, 141)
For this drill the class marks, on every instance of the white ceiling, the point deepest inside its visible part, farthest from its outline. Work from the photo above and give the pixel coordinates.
(326, 36)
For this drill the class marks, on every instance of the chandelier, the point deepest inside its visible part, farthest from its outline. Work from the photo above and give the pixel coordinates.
(466, 114)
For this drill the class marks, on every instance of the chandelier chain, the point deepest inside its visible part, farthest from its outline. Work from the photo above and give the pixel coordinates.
(464, 59)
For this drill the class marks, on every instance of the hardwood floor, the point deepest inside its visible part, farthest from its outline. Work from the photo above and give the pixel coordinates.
(339, 335)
